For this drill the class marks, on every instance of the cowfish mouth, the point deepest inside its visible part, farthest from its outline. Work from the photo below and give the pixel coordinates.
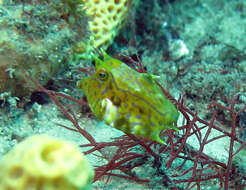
(81, 84)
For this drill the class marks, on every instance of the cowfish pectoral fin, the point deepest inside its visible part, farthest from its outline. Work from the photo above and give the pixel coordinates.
(158, 139)
(155, 76)
(79, 84)
(174, 128)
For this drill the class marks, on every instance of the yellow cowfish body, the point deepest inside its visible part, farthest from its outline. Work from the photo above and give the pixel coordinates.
(128, 100)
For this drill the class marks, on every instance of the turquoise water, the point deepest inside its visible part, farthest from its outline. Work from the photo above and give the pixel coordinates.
(197, 48)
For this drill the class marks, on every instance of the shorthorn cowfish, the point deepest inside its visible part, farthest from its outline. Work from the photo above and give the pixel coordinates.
(128, 100)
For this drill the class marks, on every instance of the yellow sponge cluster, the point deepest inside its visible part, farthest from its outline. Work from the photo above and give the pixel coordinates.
(47, 163)
(107, 17)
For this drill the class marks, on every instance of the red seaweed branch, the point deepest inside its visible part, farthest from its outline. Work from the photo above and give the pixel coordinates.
(176, 165)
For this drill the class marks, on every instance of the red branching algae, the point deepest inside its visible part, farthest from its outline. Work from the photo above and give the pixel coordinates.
(177, 165)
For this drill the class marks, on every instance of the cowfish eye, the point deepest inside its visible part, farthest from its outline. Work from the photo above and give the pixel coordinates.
(103, 75)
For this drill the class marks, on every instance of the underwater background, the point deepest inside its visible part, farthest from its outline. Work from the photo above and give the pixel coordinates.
(194, 49)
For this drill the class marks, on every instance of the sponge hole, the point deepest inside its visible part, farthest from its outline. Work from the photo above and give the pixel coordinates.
(95, 30)
(116, 1)
(31, 183)
(16, 172)
(46, 152)
(9, 188)
(95, 23)
(105, 30)
(59, 183)
(110, 8)
(119, 11)
(105, 22)
(114, 17)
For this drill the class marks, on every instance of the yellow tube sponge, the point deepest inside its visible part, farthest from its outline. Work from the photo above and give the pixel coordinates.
(107, 17)
(47, 163)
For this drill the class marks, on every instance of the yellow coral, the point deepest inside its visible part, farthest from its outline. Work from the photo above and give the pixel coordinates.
(43, 162)
(107, 17)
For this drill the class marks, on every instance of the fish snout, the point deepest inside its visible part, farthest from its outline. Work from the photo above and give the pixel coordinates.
(79, 84)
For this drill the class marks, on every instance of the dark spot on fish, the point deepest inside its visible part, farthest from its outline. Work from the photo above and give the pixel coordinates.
(110, 86)
(122, 124)
(141, 111)
(119, 122)
(116, 100)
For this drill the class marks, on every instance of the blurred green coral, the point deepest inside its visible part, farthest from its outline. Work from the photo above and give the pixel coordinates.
(38, 37)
